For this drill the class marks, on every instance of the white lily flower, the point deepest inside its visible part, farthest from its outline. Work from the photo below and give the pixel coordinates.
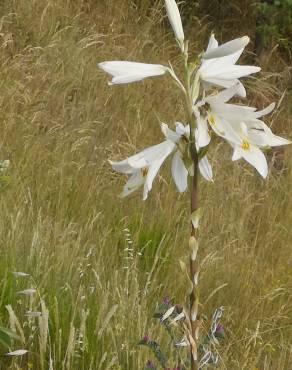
(245, 146)
(144, 166)
(255, 135)
(220, 69)
(127, 72)
(218, 113)
(175, 20)
(253, 155)
(240, 126)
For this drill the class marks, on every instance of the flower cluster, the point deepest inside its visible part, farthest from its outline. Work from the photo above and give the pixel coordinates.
(210, 85)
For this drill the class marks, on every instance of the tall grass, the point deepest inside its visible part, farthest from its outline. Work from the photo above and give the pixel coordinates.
(100, 264)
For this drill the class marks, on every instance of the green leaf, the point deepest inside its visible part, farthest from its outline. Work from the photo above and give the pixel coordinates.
(196, 216)
(7, 332)
(5, 339)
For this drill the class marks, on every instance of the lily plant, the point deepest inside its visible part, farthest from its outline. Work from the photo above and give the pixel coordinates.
(209, 84)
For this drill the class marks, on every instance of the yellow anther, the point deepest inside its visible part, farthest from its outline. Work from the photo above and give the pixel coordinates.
(245, 145)
(144, 171)
(211, 120)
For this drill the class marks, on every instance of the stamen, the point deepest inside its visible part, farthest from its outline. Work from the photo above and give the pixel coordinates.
(245, 145)
(211, 120)
(144, 171)
(184, 139)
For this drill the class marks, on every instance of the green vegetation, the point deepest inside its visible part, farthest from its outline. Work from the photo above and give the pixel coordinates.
(275, 20)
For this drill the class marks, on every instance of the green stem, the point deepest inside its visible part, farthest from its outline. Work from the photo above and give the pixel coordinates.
(193, 298)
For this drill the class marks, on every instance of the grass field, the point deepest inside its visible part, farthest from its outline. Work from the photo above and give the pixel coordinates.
(61, 219)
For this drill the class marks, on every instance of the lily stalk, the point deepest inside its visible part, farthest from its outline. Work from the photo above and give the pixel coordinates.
(194, 318)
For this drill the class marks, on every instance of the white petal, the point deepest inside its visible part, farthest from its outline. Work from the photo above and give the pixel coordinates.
(223, 128)
(206, 169)
(241, 90)
(243, 129)
(169, 134)
(145, 191)
(125, 72)
(225, 95)
(156, 164)
(231, 72)
(179, 172)
(182, 129)
(175, 19)
(275, 140)
(228, 48)
(213, 43)
(19, 352)
(120, 80)
(233, 58)
(261, 135)
(257, 159)
(236, 154)
(232, 112)
(219, 63)
(150, 155)
(220, 82)
(134, 183)
(202, 134)
(264, 111)
(122, 166)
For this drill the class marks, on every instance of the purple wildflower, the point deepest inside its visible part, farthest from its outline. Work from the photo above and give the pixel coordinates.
(149, 365)
(219, 333)
(166, 300)
(146, 338)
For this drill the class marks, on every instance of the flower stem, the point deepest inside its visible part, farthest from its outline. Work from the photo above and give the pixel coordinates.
(194, 296)
(193, 153)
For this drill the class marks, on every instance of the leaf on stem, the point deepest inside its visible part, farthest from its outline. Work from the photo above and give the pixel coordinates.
(196, 216)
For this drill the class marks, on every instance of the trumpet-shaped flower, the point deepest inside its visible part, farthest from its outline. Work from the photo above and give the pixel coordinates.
(144, 166)
(175, 20)
(215, 111)
(240, 126)
(218, 65)
(255, 135)
(126, 72)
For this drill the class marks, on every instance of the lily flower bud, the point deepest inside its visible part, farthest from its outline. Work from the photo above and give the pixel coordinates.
(175, 20)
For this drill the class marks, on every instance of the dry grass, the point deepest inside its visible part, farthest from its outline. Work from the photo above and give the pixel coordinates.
(62, 222)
